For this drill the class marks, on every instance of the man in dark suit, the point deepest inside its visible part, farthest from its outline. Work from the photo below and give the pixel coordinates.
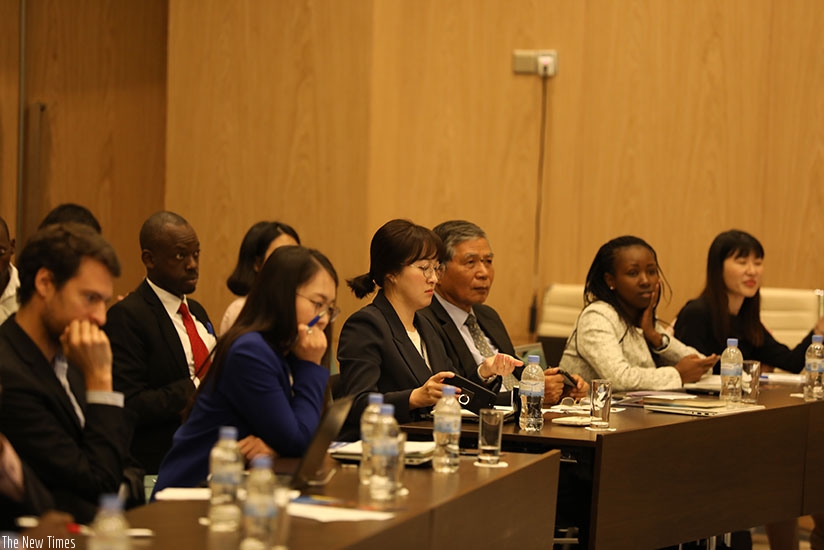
(161, 339)
(58, 408)
(471, 330)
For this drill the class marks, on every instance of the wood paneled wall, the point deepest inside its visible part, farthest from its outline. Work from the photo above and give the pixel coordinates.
(99, 69)
(669, 120)
(268, 118)
(9, 102)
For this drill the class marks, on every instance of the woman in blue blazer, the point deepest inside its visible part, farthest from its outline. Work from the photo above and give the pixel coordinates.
(266, 378)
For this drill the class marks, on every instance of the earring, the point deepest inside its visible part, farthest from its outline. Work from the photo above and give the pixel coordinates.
(612, 288)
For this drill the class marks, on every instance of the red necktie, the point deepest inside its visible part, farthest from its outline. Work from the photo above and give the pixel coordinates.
(200, 353)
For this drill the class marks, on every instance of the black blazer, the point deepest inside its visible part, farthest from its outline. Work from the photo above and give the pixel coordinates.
(376, 355)
(150, 368)
(36, 500)
(490, 323)
(76, 464)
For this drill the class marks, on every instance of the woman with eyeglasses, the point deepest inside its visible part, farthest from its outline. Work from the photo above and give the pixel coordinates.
(387, 346)
(260, 241)
(266, 377)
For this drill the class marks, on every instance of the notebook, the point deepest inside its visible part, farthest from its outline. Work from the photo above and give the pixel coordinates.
(310, 471)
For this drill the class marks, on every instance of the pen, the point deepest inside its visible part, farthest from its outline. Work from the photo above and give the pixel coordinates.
(314, 322)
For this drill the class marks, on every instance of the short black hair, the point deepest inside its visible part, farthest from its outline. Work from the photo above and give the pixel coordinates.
(60, 248)
(152, 229)
(71, 212)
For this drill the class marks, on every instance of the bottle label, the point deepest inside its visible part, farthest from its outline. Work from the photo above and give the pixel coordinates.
(447, 425)
(731, 369)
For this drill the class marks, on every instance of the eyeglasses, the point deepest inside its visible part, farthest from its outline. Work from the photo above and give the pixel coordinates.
(322, 309)
(428, 271)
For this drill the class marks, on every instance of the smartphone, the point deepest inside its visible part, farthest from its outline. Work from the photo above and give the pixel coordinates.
(569, 381)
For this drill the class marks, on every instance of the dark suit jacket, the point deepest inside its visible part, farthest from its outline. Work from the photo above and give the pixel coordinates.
(376, 355)
(150, 368)
(490, 323)
(77, 464)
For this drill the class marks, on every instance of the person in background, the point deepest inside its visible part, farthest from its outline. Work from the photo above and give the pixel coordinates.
(9, 281)
(59, 409)
(617, 336)
(258, 243)
(161, 338)
(70, 212)
(730, 307)
(266, 379)
(471, 331)
(388, 346)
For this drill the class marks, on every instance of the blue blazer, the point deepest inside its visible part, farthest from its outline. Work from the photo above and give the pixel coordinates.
(375, 354)
(254, 395)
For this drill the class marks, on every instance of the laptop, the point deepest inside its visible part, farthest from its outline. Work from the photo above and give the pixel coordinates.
(697, 407)
(310, 470)
(415, 453)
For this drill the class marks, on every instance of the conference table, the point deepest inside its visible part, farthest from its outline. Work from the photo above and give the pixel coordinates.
(663, 479)
(473, 508)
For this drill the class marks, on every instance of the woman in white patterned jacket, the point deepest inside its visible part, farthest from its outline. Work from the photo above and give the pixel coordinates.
(617, 335)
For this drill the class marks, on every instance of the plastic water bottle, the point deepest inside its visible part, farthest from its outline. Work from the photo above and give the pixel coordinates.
(110, 526)
(368, 425)
(447, 432)
(259, 511)
(732, 363)
(226, 467)
(814, 370)
(385, 479)
(531, 391)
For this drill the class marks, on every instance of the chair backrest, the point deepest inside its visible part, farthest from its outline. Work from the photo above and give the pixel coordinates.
(561, 306)
(790, 313)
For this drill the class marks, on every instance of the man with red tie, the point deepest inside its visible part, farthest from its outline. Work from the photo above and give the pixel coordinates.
(161, 339)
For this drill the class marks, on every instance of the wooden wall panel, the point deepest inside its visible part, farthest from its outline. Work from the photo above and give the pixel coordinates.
(455, 134)
(693, 117)
(669, 120)
(268, 119)
(99, 67)
(9, 102)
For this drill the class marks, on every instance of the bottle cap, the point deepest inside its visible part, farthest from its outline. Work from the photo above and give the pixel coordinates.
(818, 338)
(449, 391)
(533, 359)
(110, 502)
(375, 398)
(732, 342)
(388, 409)
(228, 432)
(262, 462)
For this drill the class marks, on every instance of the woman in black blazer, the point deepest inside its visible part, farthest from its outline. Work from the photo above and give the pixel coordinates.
(387, 347)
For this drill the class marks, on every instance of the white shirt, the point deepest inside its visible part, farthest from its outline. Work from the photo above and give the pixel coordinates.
(171, 304)
(8, 300)
(415, 336)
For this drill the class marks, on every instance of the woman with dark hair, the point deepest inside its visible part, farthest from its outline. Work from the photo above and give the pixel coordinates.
(259, 242)
(266, 378)
(617, 336)
(387, 346)
(730, 306)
